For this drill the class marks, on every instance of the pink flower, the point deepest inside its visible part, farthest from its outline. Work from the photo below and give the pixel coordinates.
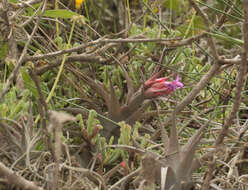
(155, 87)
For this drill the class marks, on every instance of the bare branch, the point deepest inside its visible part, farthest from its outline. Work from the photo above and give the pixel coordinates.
(207, 24)
(240, 80)
(17, 180)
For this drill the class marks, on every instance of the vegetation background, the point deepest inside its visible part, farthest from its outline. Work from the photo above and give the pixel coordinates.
(79, 106)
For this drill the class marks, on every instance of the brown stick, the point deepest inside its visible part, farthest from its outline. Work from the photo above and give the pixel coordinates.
(240, 80)
(207, 24)
(19, 181)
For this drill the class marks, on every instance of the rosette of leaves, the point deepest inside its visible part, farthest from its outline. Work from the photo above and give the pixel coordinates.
(136, 100)
(174, 170)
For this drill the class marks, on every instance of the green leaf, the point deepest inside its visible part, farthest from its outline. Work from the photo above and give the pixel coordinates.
(3, 50)
(125, 137)
(112, 157)
(17, 109)
(13, 1)
(192, 27)
(4, 110)
(29, 83)
(231, 40)
(81, 122)
(172, 4)
(60, 13)
(91, 121)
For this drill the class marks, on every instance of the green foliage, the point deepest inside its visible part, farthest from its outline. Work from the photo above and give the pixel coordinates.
(126, 133)
(172, 4)
(91, 132)
(228, 39)
(192, 27)
(14, 107)
(91, 129)
(91, 122)
(3, 50)
(28, 82)
(13, 1)
(60, 13)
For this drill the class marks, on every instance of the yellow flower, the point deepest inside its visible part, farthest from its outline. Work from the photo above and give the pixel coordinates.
(78, 3)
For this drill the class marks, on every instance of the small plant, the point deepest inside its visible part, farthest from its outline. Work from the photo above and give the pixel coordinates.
(174, 170)
(135, 104)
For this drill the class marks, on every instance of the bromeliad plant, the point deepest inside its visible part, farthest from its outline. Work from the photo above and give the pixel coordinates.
(174, 170)
(136, 101)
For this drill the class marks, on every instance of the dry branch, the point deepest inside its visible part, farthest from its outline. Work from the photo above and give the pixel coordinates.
(14, 179)
(207, 24)
(92, 43)
(240, 80)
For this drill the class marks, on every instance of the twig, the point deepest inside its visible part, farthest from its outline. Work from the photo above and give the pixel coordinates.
(157, 18)
(98, 41)
(29, 3)
(111, 172)
(211, 167)
(128, 148)
(43, 110)
(207, 24)
(17, 180)
(184, 42)
(132, 174)
(11, 133)
(87, 172)
(96, 58)
(224, 16)
(30, 18)
(240, 80)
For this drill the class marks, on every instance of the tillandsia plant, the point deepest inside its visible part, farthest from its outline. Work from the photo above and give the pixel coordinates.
(174, 170)
(136, 101)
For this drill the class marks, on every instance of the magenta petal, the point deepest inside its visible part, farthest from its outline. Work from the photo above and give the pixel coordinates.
(177, 78)
(180, 85)
(173, 85)
(177, 83)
